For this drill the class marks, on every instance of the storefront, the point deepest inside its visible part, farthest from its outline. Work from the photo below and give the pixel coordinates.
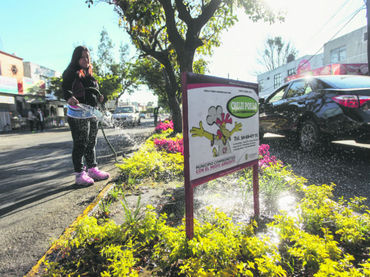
(8, 92)
(23, 87)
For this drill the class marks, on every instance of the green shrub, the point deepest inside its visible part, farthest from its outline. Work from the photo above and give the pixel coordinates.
(326, 238)
(147, 162)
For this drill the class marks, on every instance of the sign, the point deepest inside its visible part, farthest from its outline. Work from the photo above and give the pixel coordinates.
(8, 85)
(221, 131)
(7, 99)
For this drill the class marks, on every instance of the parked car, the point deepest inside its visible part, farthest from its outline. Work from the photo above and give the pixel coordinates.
(126, 115)
(318, 109)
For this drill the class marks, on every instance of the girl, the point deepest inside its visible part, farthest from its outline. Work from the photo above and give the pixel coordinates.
(79, 86)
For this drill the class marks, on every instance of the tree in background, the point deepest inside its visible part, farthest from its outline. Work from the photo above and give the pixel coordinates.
(172, 32)
(56, 87)
(114, 78)
(276, 53)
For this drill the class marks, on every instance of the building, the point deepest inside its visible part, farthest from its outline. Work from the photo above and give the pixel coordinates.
(11, 86)
(344, 55)
(24, 87)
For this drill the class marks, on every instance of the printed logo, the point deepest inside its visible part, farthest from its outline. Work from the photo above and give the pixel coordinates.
(242, 106)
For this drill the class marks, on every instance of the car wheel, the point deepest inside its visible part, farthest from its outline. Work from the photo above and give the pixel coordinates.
(309, 136)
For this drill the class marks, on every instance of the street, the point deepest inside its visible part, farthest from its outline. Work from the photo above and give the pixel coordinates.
(38, 198)
(344, 163)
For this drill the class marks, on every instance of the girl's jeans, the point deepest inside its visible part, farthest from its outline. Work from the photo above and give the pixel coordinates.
(84, 134)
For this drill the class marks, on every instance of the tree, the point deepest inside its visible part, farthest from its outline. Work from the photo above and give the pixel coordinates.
(114, 78)
(173, 31)
(56, 87)
(276, 53)
(150, 73)
(105, 55)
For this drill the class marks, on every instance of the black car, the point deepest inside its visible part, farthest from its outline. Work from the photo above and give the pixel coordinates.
(317, 109)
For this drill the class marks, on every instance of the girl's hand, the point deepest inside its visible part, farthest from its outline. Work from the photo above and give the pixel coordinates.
(73, 101)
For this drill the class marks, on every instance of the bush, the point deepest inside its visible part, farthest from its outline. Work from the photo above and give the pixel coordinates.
(164, 126)
(325, 238)
(150, 163)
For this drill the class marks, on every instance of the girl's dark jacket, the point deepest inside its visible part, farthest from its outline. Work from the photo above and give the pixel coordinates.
(85, 89)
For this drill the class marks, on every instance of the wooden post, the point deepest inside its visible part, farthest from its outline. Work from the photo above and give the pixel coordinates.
(189, 212)
(256, 190)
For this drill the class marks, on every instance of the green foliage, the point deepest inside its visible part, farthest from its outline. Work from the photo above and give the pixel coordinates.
(173, 32)
(276, 52)
(131, 216)
(114, 77)
(313, 244)
(148, 162)
(325, 238)
(219, 248)
(56, 87)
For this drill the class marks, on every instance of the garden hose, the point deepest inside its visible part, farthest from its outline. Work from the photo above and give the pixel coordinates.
(100, 116)
(109, 144)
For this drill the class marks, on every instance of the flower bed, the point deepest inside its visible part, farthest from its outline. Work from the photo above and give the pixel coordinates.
(326, 238)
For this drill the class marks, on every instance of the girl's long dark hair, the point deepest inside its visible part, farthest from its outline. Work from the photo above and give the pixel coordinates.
(74, 64)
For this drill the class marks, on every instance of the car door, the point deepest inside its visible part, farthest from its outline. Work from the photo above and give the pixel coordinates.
(270, 116)
(293, 105)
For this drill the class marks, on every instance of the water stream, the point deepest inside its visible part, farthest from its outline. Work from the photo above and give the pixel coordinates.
(235, 199)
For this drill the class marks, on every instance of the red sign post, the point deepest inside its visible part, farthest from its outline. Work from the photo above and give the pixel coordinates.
(221, 133)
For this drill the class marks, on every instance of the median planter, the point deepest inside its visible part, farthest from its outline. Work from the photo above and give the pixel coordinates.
(323, 238)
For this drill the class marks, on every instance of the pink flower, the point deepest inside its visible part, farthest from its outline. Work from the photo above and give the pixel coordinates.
(163, 126)
(265, 159)
(170, 145)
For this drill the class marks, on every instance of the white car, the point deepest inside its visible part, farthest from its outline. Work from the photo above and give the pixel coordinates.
(126, 115)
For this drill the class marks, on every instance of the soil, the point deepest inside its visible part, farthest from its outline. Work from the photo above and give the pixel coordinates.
(164, 197)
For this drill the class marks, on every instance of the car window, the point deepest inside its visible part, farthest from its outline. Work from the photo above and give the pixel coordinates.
(278, 95)
(124, 110)
(297, 88)
(308, 89)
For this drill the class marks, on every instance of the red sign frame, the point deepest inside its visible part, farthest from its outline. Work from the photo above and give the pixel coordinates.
(189, 79)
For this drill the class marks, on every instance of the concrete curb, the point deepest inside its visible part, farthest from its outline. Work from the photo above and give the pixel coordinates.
(68, 231)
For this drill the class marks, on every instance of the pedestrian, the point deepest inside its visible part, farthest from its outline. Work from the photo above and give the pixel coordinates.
(79, 86)
(31, 119)
(40, 120)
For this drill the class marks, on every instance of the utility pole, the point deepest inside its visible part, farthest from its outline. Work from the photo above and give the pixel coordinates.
(368, 35)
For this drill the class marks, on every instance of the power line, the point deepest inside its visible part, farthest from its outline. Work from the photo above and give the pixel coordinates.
(340, 29)
(330, 19)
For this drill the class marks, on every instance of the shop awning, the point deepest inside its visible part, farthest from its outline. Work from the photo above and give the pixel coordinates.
(34, 99)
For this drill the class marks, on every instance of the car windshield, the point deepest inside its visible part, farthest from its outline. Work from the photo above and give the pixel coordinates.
(346, 82)
(124, 110)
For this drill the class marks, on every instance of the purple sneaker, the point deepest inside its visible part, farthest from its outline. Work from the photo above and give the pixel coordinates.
(82, 179)
(97, 174)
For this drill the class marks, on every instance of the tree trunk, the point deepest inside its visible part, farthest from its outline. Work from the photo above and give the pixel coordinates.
(171, 89)
(176, 114)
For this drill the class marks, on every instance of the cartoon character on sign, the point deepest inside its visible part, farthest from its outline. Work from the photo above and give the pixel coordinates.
(220, 140)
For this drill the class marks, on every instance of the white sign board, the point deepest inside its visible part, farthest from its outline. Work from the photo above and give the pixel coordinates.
(222, 125)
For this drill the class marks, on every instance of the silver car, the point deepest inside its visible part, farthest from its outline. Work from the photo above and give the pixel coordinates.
(126, 115)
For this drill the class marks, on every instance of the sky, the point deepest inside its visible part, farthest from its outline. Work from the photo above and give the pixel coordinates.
(45, 32)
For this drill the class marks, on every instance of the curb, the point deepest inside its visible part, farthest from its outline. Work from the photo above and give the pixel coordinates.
(68, 231)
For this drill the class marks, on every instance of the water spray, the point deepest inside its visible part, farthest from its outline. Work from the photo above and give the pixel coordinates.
(83, 111)
(103, 117)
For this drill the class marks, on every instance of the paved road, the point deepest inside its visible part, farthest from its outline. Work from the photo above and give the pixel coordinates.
(38, 198)
(344, 163)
